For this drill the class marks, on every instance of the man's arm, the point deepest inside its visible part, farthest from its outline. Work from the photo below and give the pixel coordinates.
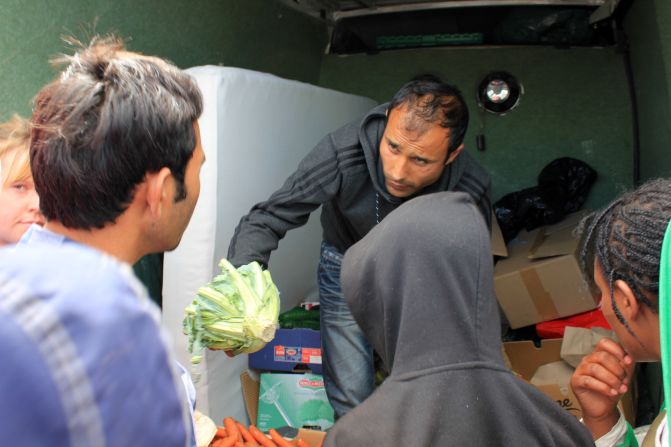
(316, 180)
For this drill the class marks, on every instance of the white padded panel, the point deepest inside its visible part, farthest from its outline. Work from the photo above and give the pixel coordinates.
(255, 128)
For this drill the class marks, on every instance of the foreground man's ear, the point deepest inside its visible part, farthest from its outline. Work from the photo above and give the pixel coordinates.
(159, 189)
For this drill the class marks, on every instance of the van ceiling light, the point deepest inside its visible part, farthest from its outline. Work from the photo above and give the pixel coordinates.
(499, 92)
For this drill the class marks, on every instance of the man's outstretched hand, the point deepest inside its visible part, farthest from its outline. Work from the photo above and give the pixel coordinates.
(228, 353)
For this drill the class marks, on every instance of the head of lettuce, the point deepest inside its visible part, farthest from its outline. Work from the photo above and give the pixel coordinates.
(236, 312)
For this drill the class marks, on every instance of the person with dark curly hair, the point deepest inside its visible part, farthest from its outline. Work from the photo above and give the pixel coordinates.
(623, 259)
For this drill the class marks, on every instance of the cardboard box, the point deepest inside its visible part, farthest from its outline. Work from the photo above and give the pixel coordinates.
(249, 382)
(290, 350)
(541, 278)
(250, 391)
(293, 400)
(498, 243)
(312, 437)
(525, 358)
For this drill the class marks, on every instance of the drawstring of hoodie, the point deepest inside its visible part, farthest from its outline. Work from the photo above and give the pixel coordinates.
(377, 209)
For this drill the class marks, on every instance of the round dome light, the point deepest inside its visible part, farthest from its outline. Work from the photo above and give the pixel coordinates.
(499, 92)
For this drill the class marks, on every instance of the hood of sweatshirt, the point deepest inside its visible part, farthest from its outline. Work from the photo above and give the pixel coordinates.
(420, 285)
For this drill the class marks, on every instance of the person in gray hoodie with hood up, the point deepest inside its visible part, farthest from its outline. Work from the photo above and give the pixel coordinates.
(400, 150)
(422, 292)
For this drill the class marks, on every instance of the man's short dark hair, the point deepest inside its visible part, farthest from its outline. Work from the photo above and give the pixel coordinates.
(110, 118)
(435, 101)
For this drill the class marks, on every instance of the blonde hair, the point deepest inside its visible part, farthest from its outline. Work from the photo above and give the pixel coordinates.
(14, 150)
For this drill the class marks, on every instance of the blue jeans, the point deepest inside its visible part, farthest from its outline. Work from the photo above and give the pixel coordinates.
(349, 374)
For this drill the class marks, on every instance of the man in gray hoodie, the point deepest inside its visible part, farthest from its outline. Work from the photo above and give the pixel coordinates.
(408, 147)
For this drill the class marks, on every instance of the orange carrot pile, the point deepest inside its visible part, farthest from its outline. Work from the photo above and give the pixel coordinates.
(234, 434)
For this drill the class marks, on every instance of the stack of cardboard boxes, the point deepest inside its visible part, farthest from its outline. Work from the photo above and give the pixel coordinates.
(540, 279)
(290, 391)
(537, 279)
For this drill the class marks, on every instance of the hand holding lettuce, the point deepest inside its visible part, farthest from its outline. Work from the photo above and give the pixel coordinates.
(237, 311)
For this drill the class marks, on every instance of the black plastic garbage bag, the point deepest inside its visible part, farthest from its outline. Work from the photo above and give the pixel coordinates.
(563, 186)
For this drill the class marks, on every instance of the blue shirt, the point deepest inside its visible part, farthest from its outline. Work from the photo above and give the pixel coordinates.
(83, 359)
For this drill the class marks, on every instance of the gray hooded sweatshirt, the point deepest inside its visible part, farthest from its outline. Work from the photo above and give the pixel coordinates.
(343, 174)
(420, 287)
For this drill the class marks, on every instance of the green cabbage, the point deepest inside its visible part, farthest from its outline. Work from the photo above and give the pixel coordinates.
(237, 311)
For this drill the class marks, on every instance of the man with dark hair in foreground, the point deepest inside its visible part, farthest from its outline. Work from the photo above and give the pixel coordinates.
(116, 158)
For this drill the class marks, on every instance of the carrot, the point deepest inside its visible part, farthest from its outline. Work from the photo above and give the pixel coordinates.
(239, 444)
(251, 444)
(232, 428)
(221, 432)
(260, 437)
(227, 442)
(278, 438)
(218, 442)
(301, 443)
(246, 435)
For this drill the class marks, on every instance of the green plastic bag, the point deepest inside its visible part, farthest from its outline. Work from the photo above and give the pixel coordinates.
(665, 315)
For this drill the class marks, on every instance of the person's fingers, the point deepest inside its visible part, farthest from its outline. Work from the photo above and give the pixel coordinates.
(607, 385)
(601, 361)
(600, 379)
(613, 348)
(601, 372)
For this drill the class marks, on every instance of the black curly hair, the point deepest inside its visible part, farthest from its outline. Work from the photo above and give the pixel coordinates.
(626, 239)
(106, 121)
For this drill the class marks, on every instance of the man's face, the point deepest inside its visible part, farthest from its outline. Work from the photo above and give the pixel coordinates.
(413, 153)
(180, 213)
(19, 207)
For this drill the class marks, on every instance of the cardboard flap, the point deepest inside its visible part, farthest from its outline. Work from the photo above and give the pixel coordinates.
(558, 239)
(525, 357)
(518, 250)
(570, 221)
(312, 437)
(250, 394)
(498, 243)
(554, 244)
